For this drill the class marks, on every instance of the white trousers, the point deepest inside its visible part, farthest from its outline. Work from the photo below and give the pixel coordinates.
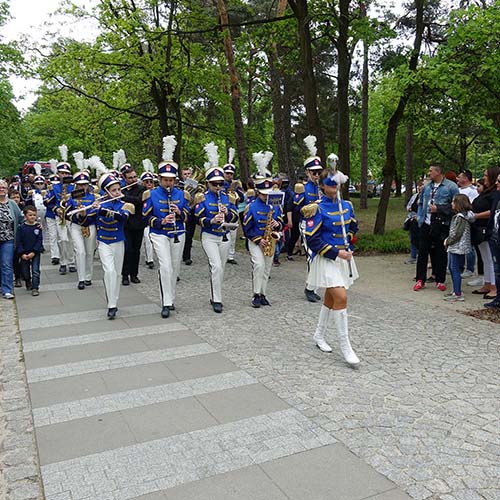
(54, 246)
(217, 252)
(232, 236)
(111, 256)
(148, 247)
(64, 241)
(169, 258)
(261, 268)
(489, 269)
(84, 251)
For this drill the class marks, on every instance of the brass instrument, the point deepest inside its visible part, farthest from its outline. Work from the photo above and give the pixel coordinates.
(220, 204)
(64, 201)
(270, 236)
(77, 195)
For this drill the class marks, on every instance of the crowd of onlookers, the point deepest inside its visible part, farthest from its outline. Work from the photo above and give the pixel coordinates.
(455, 224)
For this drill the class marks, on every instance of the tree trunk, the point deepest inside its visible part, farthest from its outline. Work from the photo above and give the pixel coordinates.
(344, 65)
(299, 8)
(409, 162)
(363, 200)
(235, 94)
(389, 168)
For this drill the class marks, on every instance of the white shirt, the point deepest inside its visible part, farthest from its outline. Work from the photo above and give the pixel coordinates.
(470, 191)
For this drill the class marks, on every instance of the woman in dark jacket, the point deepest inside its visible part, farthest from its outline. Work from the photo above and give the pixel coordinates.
(493, 231)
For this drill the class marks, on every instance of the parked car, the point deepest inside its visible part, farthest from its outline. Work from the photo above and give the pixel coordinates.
(29, 168)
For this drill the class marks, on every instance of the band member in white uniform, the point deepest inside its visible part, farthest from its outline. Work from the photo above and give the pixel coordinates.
(212, 211)
(83, 228)
(165, 209)
(148, 181)
(111, 218)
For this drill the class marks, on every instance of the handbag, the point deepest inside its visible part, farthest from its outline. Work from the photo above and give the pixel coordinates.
(406, 224)
(478, 234)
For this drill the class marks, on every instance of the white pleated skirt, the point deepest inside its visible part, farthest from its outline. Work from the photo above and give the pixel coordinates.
(328, 273)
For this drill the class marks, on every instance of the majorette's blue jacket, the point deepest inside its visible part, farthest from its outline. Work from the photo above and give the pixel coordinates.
(254, 221)
(208, 208)
(156, 206)
(85, 218)
(323, 230)
(111, 218)
(53, 197)
(310, 195)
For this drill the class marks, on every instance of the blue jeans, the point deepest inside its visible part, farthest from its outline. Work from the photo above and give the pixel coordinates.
(456, 262)
(471, 261)
(30, 270)
(6, 264)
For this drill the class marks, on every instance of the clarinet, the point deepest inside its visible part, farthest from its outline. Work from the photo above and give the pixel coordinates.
(172, 211)
(219, 201)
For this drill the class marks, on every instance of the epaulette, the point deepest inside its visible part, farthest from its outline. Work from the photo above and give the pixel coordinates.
(238, 183)
(30, 193)
(299, 188)
(129, 207)
(43, 192)
(250, 193)
(146, 195)
(309, 210)
(233, 198)
(96, 190)
(187, 196)
(199, 198)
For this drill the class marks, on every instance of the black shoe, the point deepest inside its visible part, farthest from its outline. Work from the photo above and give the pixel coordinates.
(316, 296)
(112, 312)
(217, 307)
(310, 295)
(172, 307)
(188, 262)
(151, 265)
(264, 301)
(87, 283)
(289, 257)
(81, 285)
(256, 301)
(125, 281)
(62, 270)
(55, 261)
(494, 304)
(165, 312)
(28, 285)
(135, 279)
(178, 279)
(17, 283)
(232, 261)
(72, 269)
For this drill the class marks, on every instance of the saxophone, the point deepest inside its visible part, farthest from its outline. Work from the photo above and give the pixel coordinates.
(269, 235)
(84, 229)
(64, 201)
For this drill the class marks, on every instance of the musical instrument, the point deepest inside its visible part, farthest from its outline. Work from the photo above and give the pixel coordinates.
(221, 213)
(171, 210)
(97, 204)
(78, 194)
(64, 200)
(270, 236)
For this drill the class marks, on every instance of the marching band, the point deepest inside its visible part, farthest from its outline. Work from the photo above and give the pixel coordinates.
(82, 216)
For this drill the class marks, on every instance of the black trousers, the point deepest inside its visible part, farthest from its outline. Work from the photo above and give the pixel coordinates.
(294, 233)
(188, 242)
(133, 242)
(430, 244)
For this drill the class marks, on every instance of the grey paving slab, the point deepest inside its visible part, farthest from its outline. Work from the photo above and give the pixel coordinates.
(113, 362)
(159, 495)
(131, 471)
(151, 319)
(207, 364)
(241, 402)
(81, 317)
(323, 473)
(57, 287)
(138, 398)
(249, 483)
(68, 389)
(395, 494)
(65, 441)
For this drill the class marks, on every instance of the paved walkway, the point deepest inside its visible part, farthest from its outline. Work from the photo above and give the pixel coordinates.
(242, 405)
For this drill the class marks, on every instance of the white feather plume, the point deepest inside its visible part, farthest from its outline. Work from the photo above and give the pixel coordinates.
(148, 165)
(121, 158)
(63, 151)
(212, 155)
(262, 161)
(53, 165)
(333, 160)
(340, 178)
(99, 167)
(115, 160)
(86, 164)
(310, 142)
(169, 144)
(78, 156)
(230, 155)
(38, 169)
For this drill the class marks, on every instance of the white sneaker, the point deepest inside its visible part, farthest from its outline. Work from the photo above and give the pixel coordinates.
(8, 296)
(453, 297)
(479, 281)
(467, 274)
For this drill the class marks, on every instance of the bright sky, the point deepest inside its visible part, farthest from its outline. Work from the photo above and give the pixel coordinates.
(34, 18)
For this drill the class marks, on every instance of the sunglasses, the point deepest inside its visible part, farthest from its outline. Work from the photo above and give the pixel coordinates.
(315, 173)
(220, 184)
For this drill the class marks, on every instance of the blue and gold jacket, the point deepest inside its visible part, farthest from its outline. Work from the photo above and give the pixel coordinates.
(208, 208)
(155, 208)
(111, 219)
(310, 195)
(86, 218)
(323, 227)
(53, 197)
(254, 221)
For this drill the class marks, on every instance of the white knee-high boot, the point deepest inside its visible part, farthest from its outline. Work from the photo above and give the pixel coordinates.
(319, 334)
(340, 317)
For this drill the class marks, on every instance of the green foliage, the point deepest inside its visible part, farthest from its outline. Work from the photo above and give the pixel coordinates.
(395, 241)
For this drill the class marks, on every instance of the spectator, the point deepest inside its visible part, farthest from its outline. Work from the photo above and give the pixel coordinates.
(458, 243)
(10, 218)
(434, 217)
(494, 240)
(411, 222)
(16, 196)
(481, 207)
